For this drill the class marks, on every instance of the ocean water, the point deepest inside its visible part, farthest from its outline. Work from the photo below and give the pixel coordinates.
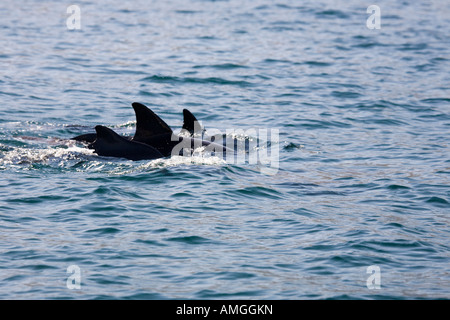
(362, 181)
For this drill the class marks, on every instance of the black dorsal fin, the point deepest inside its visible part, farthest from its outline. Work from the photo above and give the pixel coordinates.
(190, 123)
(148, 124)
(107, 135)
(110, 144)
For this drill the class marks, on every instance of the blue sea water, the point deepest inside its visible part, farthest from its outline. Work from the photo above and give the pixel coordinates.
(364, 159)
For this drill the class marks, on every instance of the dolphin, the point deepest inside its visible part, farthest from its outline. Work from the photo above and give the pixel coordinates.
(86, 138)
(110, 144)
(153, 131)
(153, 138)
(190, 125)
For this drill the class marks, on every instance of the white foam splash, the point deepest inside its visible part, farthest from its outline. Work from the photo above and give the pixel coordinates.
(128, 124)
(61, 157)
(175, 161)
(45, 156)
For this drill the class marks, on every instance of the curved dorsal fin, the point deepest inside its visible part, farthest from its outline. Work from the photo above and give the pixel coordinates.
(148, 124)
(107, 135)
(110, 144)
(190, 123)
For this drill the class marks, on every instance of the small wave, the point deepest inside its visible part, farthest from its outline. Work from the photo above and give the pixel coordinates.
(332, 14)
(194, 240)
(129, 124)
(191, 80)
(292, 146)
(223, 66)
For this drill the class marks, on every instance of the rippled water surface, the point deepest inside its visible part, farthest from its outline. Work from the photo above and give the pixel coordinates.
(364, 160)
